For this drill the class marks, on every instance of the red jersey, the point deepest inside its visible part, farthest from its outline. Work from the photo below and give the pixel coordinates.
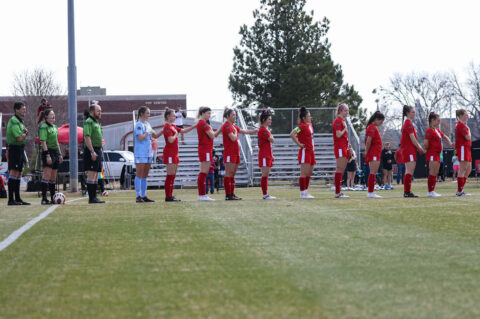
(461, 131)
(230, 147)
(376, 144)
(205, 143)
(265, 146)
(305, 135)
(170, 130)
(342, 141)
(407, 145)
(434, 137)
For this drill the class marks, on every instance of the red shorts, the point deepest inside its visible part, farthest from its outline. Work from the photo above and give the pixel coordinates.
(265, 161)
(205, 156)
(409, 157)
(170, 159)
(341, 152)
(433, 157)
(464, 153)
(306, 157)
(231, 159)
(372, 157)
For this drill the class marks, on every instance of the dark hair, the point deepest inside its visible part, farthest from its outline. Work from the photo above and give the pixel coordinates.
(202, 110)
(264, 116)
(432, 116)
(18, 105)
(227, 112)
(302, 113)
(376, 116)
(460, 112)
(141, 111)
(43, 100)
(44, 114)
(167, 113)
(406, 109)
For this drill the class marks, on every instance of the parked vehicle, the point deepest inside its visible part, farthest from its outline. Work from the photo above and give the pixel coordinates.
(113, 162)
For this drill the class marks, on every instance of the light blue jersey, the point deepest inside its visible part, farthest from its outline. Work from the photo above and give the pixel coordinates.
(143, 148)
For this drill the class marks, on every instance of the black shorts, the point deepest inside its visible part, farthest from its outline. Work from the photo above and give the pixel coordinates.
(89, 164)
(54, 155)
(388, 167)
(16, 157)
(352, 166)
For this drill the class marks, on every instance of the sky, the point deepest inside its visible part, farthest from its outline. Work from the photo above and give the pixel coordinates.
(186, 46)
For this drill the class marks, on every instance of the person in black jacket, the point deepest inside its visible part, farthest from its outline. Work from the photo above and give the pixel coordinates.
(387, 162)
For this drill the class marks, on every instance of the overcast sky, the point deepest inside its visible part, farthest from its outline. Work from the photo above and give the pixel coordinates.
(185, 46)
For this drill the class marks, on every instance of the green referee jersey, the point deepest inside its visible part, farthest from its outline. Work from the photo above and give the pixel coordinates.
(15, 129)
(49, 134)
(93, 129)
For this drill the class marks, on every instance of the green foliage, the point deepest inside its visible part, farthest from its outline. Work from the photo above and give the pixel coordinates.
(284, 60)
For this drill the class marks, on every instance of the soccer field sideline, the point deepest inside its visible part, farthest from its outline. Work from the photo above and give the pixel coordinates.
(252, 258)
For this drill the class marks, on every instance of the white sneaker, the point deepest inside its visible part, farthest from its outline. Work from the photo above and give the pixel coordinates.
(462, 193)
(433, 194)
(341, 195)
(373, 195)
(305, 195)
(268, 197)
(205, 198)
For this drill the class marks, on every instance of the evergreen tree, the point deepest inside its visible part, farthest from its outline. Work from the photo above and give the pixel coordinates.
(284, 60)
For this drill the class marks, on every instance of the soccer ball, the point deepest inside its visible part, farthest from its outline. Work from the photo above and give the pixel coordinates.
(105, 194)
(59, 199)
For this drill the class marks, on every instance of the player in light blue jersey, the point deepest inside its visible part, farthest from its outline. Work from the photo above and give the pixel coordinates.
(143, 153)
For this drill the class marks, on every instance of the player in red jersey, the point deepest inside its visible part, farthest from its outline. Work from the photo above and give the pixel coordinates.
(463, 146)
(302, 135)
(341, 147)
(373, 150)
(433, 146)
(265, 153)
(205, 135)
(231, 151)
(410, 146)
(170, 152)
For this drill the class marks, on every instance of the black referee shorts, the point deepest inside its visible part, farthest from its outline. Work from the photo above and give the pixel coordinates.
(91, 165)
(16, 157)
(54, 155)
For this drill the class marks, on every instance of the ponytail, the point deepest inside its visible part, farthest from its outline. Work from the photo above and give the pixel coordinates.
(141, 111)
(432, 116)
(406, 109)
(202, 110)
(168, 111)
(302, 113)
(376, 116)
(227, 113)
(264, 116)
(43, 115)
(460, 112)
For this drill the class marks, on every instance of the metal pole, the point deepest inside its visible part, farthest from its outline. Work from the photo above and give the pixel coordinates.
(72, 99)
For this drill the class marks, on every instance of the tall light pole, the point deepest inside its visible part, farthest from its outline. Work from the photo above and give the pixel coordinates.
(72, 99)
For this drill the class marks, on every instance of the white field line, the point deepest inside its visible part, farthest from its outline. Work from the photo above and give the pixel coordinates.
(19, 232)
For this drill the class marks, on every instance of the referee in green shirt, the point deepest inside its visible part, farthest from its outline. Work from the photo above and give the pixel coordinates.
(16, 140)
(92, 155)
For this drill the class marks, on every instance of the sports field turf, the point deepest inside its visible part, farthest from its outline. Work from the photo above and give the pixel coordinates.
(289, 258)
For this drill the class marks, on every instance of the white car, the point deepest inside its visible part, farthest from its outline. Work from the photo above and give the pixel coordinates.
(113, 162)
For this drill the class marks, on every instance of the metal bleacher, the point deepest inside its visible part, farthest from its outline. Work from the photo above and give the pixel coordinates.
(286, 167)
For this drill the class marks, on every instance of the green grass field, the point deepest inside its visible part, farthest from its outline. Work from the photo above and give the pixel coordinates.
(289, 258)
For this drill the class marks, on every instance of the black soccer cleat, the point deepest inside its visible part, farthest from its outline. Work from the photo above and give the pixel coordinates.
(172, 199)
(96, 201)
(46, 202)
(139, 199)
(23, 202)
(13, 203)
(148, 200)
(410, 194)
